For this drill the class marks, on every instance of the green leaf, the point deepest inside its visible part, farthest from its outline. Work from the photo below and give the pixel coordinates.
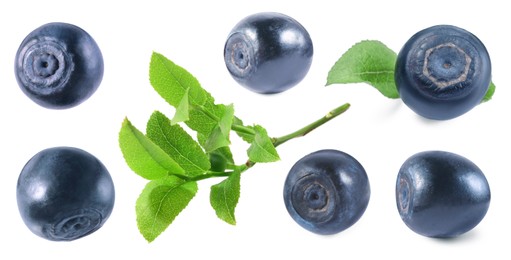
(160, 202)
(368, 62)
(204, 120)
(224, 151)
(177, 143)
(172, 83)
(224, 197)
(219, 137)
(143, 156)
(262, 148)
(489, 93)
(182, 111)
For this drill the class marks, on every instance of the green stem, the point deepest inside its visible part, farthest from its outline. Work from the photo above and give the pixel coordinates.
(276, 141)
(242, 129)
(300, 132)
(307, 129)
(209, 175)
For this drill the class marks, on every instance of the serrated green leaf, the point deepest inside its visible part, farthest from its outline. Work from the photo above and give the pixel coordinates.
(143, 156)
(183, 110)
(160, 203)
(224, 197)
(489, 93)
(172, 81)
(177, 143)
(262, 148)
(368, 62)
(219, 137)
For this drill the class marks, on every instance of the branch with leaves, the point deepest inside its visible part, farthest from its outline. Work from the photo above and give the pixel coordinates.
(173, 161)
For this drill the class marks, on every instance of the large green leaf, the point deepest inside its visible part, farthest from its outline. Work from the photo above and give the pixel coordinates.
(176, 142)
(178, 87)
(143, 156)
(160, 203)
(172, 82)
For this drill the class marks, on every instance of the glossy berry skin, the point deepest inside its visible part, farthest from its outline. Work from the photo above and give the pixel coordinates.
(59, 66)
(326, 191)
(442, 72)
(441, 194)
(268, 52)
(64, 193)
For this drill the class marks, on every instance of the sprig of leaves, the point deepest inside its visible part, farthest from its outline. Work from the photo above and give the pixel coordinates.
(372, 62)
(173, 161)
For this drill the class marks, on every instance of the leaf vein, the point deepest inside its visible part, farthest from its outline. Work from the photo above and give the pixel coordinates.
(166, 139)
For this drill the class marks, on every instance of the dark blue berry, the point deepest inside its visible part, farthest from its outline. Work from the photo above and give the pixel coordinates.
(441, 194)
(268, 52)
(443, 72)
(64, 193)
(326, 191)
(59, 65)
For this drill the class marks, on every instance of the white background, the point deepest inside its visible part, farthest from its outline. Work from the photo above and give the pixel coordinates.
(379, 132)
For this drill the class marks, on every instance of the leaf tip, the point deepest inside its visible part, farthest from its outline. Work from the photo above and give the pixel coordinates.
(155, 54)
(126, 121)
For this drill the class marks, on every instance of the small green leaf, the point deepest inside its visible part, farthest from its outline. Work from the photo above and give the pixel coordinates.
(368, 62)
(177, 143)
(224, 197)
(224, 151)
(262, 148)
(219, 137)
(143, 156)
(159, 204)
(182, 111)
(489, 93)
(216, 140)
